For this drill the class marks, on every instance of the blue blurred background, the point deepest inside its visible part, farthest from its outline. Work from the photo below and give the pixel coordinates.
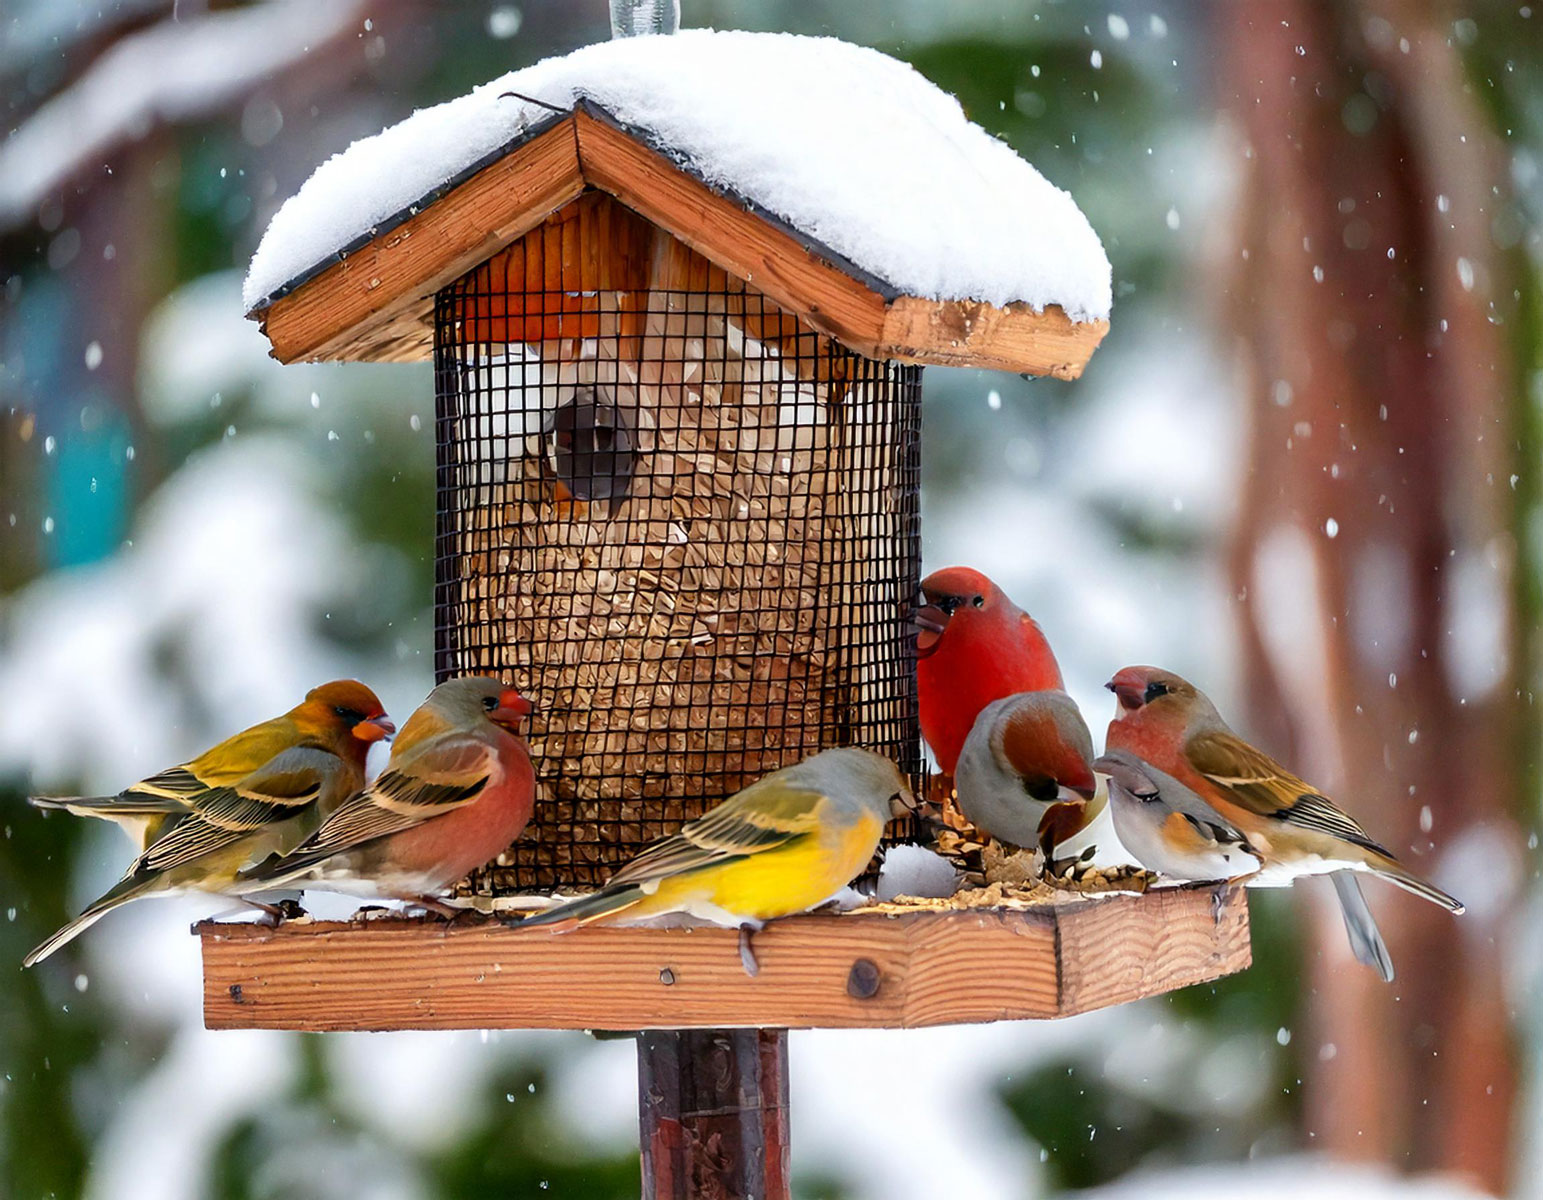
(1303, 470)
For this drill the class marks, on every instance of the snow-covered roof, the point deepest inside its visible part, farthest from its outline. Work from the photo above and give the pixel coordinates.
(857, 152)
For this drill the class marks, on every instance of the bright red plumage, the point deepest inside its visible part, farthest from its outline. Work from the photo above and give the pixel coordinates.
(983, 653)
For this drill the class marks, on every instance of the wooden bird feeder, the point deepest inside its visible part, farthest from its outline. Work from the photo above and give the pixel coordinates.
(678, 438)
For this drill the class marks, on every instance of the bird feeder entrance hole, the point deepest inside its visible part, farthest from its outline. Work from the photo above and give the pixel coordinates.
(681, 519)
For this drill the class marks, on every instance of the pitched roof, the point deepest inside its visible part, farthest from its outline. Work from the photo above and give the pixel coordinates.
(835, 179)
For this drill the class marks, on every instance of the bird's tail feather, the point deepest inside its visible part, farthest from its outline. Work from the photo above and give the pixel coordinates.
(65, 802)
(585, 909)
(107, 806)
(1395, 872)
(120, 893)
(1365, 938)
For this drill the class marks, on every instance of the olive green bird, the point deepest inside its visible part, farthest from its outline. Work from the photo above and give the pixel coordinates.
(254, 794)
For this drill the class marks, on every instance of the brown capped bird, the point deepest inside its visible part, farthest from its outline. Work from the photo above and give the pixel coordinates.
(1025, 774)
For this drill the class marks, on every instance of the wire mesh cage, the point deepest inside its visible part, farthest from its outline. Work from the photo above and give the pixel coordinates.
(681, 520)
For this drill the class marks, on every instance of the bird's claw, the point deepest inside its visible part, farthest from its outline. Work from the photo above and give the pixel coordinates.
(1065, 872)
(747, 957)
(435, 907)
(274, 915)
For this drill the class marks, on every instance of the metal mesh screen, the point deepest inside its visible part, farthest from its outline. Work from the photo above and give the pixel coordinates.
(681, 521)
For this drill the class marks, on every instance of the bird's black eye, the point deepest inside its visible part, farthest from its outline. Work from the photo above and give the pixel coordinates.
(489, 703)
(949, 603)
(978, 601)
(347, 713)
(1154, 690)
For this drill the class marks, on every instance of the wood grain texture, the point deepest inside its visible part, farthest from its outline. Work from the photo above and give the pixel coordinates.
(363, 306)
(377, 304)
(713, 1113)
(970, 333)
(817, 971)
(737, 240)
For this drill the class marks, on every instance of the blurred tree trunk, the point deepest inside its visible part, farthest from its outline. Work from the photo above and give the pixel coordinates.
(1375, 557)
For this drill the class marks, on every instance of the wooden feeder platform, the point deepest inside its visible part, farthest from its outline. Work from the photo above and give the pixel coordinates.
(874, 968)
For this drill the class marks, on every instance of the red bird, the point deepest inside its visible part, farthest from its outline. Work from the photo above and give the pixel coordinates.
(973, 646)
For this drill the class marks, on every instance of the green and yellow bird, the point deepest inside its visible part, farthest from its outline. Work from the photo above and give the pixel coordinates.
(783, 845)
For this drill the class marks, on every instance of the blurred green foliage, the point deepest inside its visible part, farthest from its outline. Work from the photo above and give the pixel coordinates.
(49, 1033)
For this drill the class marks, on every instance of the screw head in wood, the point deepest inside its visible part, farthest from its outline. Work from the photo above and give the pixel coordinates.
(666, 976)
(863, 979)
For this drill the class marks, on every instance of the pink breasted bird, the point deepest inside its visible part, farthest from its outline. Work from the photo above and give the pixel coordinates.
(1293, 828)
(457, 790)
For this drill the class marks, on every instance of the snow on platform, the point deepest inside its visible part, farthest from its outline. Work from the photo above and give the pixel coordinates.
(855, 150)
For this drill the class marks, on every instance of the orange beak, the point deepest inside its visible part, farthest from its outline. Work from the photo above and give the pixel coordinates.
(373, 729)
(512, 709)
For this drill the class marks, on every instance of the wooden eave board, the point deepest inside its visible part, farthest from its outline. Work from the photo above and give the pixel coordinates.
(376, 302)
(931, 967)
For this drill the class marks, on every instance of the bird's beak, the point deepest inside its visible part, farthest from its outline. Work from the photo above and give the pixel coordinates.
(1129, 692)
(902, 803)
(929, 621)
(512, 709)
(374, 729)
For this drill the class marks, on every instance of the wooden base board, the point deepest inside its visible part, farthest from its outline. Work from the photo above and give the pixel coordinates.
(852, 970)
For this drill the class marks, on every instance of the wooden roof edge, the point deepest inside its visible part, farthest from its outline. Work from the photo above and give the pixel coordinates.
(384, 227)
(370, 302)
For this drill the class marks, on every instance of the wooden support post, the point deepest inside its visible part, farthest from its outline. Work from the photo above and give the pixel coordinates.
(713, 1113)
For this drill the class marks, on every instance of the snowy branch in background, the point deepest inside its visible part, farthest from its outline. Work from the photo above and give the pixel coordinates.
(175, 70)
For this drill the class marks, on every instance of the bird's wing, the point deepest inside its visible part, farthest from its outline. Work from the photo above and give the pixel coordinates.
(1033, 635)
(167, 791)
(1144, 781)
(280, 789)
(764, 816)
(438, 776)
(1254, 781)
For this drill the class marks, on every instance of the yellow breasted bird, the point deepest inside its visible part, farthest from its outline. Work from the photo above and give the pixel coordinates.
(252, 795)
(785, 844)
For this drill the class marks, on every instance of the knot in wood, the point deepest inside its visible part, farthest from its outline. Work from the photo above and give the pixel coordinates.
(863, 979)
